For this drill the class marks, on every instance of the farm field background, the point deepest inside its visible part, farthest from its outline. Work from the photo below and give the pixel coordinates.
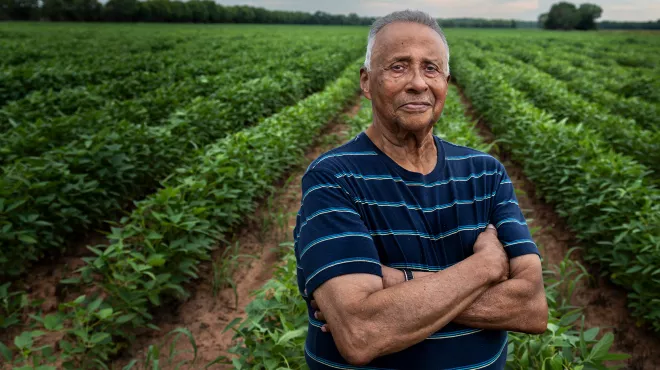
(147, 170)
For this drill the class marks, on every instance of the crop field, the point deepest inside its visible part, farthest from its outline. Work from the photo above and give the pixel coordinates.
(150, 180)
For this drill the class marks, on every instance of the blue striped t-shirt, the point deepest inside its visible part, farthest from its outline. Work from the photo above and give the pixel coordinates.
(360, 209)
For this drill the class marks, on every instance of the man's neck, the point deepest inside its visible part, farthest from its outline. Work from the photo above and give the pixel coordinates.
(414, 151)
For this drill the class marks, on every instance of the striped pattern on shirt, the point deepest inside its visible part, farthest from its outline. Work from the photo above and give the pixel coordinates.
(360, 209)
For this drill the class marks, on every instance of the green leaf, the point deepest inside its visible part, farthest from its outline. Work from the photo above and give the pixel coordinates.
(156, 260)
(94, 305)
(53, 322)
(232, 324)
(27, 239)
(615, 357)
(130, 365)
(125, 318)
(105, 313)
(600, 349)
(99, 337)
(590, 334)
(291, 335)
(24, 340)
(6, 352)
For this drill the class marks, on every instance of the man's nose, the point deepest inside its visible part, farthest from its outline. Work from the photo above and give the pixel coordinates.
(417, 82)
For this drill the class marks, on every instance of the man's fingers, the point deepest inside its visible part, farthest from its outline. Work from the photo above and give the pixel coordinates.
(319, 315)
(314, 304)
(491, 230)
(325, 328)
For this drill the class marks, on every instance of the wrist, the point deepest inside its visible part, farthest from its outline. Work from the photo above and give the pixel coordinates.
(486, 272)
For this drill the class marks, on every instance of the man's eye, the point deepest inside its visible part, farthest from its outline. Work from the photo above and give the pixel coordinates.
(431, 68)
(397, 68)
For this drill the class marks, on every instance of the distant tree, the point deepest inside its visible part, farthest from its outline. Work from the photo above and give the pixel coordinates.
(563, 16)
(20, 10)
(121, 10)
(588, 15)
(54, 10)
(566, 16)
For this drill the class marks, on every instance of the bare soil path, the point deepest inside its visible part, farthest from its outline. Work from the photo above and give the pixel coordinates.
(604, 303)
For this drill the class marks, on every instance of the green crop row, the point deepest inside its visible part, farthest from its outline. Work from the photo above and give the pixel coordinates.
(35, 44)
(551, 95)
(603, 195)
(114, 63)
(635, 88)
(161, 50)
(272, 335)
(594, 86)
(46, 199)
(31, 139)
(147, 95)
(156, 250)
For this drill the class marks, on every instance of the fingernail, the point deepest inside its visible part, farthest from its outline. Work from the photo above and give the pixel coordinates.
(316, 315)
(323, 329)
(490, 226)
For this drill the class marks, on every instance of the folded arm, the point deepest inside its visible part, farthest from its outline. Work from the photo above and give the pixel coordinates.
(517, 304)
(369, 321)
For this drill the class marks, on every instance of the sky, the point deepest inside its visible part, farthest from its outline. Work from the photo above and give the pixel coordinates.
(616, 10)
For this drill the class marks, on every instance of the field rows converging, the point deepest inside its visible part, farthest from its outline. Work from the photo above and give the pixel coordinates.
(174, 154)
(68, 174)
(605, 196)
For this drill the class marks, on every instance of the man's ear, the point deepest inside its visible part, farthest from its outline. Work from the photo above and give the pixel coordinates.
(448, 78)
(364, 83)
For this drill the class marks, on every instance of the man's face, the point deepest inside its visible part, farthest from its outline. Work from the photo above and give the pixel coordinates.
(406, 83)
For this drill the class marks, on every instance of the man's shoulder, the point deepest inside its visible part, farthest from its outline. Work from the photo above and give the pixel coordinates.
(342, 157)
(459, 155)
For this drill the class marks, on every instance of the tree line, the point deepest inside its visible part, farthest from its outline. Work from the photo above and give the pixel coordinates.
(561, 16)
(193, 11)
(611, 25)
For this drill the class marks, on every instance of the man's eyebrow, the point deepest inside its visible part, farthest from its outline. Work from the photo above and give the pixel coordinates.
(399, 58)
(407, 58)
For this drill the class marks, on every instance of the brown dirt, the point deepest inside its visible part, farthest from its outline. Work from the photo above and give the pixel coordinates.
(43, 288)
(205, 315)
(604, 303)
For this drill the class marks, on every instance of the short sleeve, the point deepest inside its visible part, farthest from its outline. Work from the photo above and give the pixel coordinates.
(507, 217)
(330, 237)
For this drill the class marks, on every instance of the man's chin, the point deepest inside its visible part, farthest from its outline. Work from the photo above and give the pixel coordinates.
(416, 122)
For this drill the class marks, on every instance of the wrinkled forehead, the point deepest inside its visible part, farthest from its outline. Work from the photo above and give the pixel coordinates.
(406, 39)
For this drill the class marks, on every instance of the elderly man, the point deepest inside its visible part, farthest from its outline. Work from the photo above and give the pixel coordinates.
(412, 252)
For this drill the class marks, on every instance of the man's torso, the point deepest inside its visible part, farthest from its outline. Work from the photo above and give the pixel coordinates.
(424, 223)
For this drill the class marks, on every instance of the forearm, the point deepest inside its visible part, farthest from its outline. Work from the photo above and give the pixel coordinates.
(513, 305)
(400, 316)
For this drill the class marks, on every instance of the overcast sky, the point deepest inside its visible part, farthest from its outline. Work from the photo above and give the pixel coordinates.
(634, 10)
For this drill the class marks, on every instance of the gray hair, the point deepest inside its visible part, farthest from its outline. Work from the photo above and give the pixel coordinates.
(410, 16)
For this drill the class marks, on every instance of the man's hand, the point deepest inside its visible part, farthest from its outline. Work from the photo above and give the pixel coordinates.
(488, 247)
(392, 277)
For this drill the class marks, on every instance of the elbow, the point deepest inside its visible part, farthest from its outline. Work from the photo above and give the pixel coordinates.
(357, 357)
(538, 313)
(356, 345)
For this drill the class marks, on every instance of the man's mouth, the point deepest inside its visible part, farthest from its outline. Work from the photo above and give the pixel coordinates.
(416, 106)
